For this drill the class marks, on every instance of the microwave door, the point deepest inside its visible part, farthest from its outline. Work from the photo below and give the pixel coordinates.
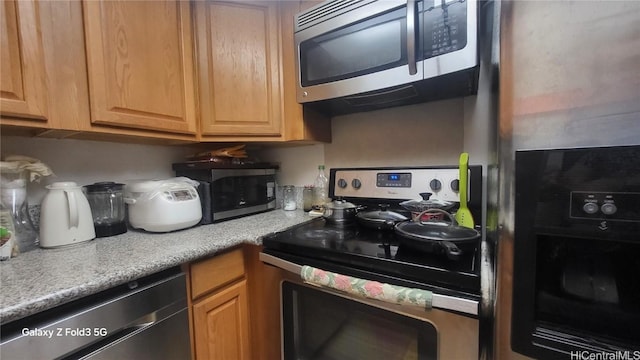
(372, 47)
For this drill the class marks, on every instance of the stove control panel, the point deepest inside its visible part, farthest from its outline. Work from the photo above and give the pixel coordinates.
(393, 179)
(408, 183)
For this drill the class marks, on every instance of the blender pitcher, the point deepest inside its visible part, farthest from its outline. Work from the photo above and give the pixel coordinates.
(13, 203)
(107, 206)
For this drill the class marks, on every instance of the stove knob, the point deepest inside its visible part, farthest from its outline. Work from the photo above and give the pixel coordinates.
(455, 185)
(608, 209)
(590, 208)
(356, 183)
(435, 185)
(342, 183)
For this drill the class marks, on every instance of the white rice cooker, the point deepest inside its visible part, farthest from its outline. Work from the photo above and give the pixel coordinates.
(163, 205)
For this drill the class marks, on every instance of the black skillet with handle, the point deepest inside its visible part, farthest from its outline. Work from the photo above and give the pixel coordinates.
(436, 235)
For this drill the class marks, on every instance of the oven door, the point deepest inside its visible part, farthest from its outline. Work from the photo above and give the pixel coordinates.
(324, 323)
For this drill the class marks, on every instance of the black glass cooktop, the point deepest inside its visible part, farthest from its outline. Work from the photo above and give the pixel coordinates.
(375, 254)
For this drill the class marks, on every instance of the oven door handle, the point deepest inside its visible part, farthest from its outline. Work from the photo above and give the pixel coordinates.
(367, 289)
(440, 301)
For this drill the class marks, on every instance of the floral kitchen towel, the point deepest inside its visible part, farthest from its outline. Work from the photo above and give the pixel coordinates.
(368, 289)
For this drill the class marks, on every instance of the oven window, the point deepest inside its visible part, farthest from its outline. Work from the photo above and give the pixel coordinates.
(365, 47)
(589, 288)
(318, 325)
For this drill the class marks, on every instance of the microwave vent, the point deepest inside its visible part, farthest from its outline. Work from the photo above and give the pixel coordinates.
(381, 98)
(325, 11)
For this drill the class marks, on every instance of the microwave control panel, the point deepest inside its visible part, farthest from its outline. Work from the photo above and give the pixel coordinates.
(445, 27)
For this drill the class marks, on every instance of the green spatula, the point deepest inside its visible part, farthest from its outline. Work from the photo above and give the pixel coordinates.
(463, 216)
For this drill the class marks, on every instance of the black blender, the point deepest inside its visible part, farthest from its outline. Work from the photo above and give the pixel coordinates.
(107, 206)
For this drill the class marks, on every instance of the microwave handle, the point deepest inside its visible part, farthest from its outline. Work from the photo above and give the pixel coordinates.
(411, 36)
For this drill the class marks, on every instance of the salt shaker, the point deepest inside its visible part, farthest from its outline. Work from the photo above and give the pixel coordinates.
(289, 197)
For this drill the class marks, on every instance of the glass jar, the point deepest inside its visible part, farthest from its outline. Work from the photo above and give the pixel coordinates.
(289, 197)
(307, 198)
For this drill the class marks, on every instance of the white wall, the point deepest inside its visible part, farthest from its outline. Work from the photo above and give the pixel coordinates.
(414, 135)
(298, 165)
(86, 162)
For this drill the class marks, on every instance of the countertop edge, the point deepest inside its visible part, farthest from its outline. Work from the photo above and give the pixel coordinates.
(203, 244)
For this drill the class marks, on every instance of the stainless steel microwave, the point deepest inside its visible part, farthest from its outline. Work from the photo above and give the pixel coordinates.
(372, 53)
(229, 191)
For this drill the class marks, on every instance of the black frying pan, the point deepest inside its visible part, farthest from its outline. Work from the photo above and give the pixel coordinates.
(434, 236)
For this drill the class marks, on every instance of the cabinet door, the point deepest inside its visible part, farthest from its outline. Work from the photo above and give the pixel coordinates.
(238, 67)
(300, 123)
(140, 64)
(221, 325)
(23, 85)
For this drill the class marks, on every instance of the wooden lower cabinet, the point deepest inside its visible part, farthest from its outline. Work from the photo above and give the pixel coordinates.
(221, 324)
(219, 307)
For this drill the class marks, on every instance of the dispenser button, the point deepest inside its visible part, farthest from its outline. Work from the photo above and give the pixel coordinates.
(590, 208)
(608, 209)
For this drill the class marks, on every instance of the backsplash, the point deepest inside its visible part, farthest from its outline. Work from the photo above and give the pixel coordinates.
(87, 162)
(416, 135)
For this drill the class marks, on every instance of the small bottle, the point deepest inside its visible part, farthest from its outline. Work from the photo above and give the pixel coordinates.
(289, 197)
(320, 189)
(307, 198)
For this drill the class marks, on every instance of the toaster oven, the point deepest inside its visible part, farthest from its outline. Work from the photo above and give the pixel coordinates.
(229, 191)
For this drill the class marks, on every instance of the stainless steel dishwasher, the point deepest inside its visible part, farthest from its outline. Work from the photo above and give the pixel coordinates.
(143, 319)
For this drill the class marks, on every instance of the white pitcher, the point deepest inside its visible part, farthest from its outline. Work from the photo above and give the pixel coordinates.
(65, 216)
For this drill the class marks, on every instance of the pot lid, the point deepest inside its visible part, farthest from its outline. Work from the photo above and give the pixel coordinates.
(104, 186)
(340, 204)
(382, 214)
(145, 186)
(64, 185)
(436, 230)
(426, 203)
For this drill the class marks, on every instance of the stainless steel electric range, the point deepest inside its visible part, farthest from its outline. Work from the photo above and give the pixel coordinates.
(314, 328)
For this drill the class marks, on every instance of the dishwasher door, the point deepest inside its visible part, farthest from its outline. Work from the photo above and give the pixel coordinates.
(143, 319)
(160, 340)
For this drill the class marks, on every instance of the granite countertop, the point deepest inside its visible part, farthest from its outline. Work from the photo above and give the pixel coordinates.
(44, 278)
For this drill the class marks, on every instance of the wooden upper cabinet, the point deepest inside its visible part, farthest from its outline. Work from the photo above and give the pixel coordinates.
(23, 90)
(300, 123)
(238, 68)
(140, 64)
